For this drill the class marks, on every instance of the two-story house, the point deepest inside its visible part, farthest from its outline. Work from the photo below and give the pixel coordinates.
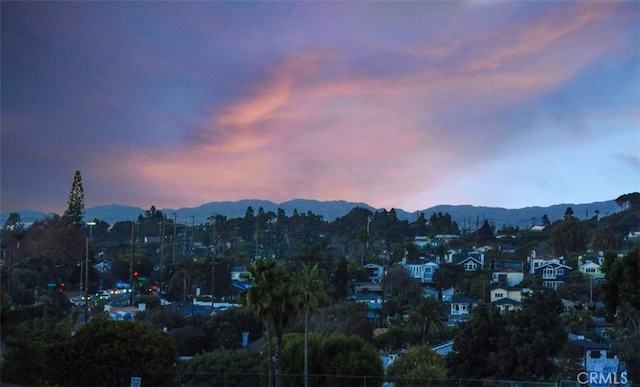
(422, 269)
(592, 266)
(507, 298)
(553, 273)
(375, 272)
(507, 276)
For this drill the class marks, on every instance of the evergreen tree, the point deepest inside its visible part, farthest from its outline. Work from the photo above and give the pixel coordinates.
(75, 213)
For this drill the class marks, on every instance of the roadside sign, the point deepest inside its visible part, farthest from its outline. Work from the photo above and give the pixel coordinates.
(136, 381)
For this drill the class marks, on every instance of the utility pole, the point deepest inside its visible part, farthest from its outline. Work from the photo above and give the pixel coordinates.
(213, 260)
(163, 226)
(133, 244)
(193, 230)
(175, 237)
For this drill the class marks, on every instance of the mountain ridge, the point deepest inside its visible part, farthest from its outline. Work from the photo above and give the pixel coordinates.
(466, 215)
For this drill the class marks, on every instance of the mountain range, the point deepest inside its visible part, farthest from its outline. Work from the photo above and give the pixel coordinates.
(467, 216)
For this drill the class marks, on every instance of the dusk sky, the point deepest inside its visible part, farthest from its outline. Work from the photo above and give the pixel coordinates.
(396, 104)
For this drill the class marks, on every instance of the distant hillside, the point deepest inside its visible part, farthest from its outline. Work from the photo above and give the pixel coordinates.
(464, 215)
(522, 217)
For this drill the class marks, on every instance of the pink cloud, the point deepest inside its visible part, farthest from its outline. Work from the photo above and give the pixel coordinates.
(384, 139)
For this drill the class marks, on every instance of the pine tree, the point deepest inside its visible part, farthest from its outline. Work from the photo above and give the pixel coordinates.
(75, 213)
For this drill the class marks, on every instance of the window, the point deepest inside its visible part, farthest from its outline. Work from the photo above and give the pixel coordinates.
(559, 271)
(548, 272)
(469, 266)
(498, 295)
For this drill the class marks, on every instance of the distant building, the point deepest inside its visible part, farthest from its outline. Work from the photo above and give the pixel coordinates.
(592, 266)
(507, 276)
(375, 272)
(422, 269)
(553, 271)
(470, 261)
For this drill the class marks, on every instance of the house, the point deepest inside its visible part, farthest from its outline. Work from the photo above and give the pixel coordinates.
(633, 234)
(421, 241)
(507, 276)
(537, 260)
(375, 272)
(461, 307)
(422, 269)
(447, 294)
(507, 298)
(443, 348)
(373, 301)
(239, 273)
(497, 264)
(431, 292)
(537, 227)
(599, 363)
(592, 266)
(470, 261)
(367, 287)
(553, 273)
(506, 304)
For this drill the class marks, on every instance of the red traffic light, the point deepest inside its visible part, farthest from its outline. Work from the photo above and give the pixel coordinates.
(135, 274)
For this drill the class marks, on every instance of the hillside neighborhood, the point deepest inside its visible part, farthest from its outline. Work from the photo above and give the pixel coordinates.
(243, 301)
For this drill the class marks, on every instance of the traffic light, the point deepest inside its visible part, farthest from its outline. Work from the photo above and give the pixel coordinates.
(135, 274)
(62, 287)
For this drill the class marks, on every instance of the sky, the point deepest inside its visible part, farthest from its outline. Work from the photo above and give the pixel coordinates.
(397, 104)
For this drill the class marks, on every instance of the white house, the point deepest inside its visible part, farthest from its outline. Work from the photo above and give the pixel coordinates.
(461, 306)
(507, 276)
(592, 266)
(421, 269)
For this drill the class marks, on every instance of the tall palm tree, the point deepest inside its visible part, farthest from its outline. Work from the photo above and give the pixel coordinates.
(272, 300)
(426, 316)
(311, 290)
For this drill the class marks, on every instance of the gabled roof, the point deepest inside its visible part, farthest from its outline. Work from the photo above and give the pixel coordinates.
(553, 264)
(505, 301)
(461, 259)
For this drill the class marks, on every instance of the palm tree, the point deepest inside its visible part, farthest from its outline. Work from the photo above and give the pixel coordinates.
(273, 302)
(311, 290)
(426, 316)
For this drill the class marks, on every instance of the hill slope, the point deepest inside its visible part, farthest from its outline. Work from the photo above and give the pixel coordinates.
(466, 216)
